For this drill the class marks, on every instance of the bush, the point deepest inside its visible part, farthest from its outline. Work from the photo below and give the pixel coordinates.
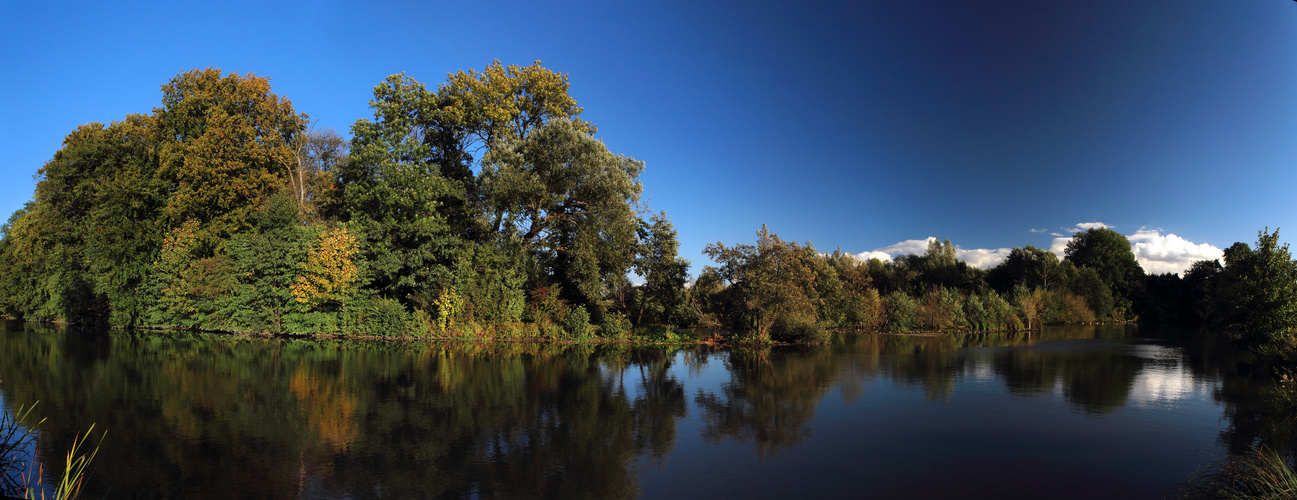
(577, 323)
(615, 325)
(901, 311)
(798, 330)
(378, 316)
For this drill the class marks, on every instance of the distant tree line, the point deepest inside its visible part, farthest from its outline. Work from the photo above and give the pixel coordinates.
(487, 208)
(786, 291)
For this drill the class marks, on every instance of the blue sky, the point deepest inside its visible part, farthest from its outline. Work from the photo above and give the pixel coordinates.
(853, 125)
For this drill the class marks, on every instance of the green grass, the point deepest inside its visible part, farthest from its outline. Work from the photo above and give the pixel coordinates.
(1259, 473)
(20, 477)
(14, 439)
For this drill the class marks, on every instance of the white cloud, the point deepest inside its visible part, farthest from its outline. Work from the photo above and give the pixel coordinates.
(978, 257)
(1091, 225)
(1155, 252)
(1059, 246)
(1038, 230)
(1159, 254)
(907, 247)
(983, 258)
(865, 256)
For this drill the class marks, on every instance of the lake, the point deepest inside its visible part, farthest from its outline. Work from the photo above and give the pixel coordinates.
(1068, 412)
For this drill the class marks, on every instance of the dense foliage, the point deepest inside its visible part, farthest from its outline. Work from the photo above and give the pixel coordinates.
(443, 215)
(487, 208)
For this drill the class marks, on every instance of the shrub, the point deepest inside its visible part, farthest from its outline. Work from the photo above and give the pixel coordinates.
(901, 311)
(798, 330)
(615, 325)
(577, 323)
(378, 316)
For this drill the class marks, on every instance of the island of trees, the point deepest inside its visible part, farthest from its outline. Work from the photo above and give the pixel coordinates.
(486, 208)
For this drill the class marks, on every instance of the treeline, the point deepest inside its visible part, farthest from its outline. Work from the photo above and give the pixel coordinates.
(785, 291)
(483, 207)
(487, 208)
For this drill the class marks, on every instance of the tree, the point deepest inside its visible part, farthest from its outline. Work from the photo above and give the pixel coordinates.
(772, 279)
(319, 154)
(329, 273)
(561, 192)
(395, 196)
(1028, 266)
(1200, 284)
(1109, 254)
(503, 103)
(664, 272)
(227, 146)
(1265, 295)
(1090, 287)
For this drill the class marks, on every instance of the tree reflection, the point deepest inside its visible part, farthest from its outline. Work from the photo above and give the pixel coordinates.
(208, 416)
(770, 398)
(212, 416)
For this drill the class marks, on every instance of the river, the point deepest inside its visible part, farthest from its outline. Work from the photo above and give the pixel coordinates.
(1069, 412)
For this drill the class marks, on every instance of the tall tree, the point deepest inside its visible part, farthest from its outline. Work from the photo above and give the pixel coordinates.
(665, 273)
(562, 192)
(227, 146)
(1265, 293)
(1109, 254)
(395, 195)
(772, 280)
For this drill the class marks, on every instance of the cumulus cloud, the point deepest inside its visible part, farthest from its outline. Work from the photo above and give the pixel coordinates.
(1156, 253)
(1159, 254)
(1091, 225)
(1059, 246)
(978, 257)
(983, 258)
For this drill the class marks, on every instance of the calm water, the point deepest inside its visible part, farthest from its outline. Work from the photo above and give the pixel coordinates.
(1075, 412)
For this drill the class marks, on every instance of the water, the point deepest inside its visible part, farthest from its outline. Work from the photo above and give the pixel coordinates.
(1075, 412)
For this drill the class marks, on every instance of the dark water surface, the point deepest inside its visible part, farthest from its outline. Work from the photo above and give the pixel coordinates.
(1071, 412)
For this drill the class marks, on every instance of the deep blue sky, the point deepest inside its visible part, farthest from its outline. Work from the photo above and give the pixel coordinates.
(855, 124)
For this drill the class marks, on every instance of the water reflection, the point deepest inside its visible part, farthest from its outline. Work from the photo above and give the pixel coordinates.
(204, 416)
(770, 398)
(210, 416)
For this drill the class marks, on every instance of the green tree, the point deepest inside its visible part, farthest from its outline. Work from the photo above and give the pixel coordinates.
(562, 192)
(1028, 266)
(664, 272)
(267, 260)
(771, 280)
(1109, 254)
(503, 103)
(1090, 287)
(1266, 292)
(227, 146)
(395, 196)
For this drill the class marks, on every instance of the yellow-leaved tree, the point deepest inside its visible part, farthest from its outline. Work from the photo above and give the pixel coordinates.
(329, 273)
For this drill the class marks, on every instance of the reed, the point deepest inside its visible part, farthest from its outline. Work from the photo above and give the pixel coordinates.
(1257, 474)
(20, 477)
(14, 439)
